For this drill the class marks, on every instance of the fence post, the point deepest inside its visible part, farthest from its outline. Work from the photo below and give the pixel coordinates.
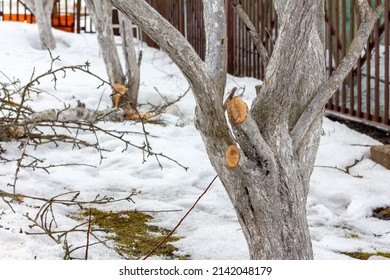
(231, 40)
(386, 116)
(78, 16)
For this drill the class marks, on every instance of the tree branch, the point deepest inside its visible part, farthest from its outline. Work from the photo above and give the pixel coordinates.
(249, 138)
(182, 219)
(256, 37)
(328, 88)
(167, 37)
(216, 41)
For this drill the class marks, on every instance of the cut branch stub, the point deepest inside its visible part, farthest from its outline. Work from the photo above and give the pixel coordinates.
(237, 110)
(232, 156)
(120, 90)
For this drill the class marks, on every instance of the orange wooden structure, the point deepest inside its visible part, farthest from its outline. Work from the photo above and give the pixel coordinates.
(62, 22)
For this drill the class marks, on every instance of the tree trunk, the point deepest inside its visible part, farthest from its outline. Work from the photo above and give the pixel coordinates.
(42, 10)
(278, 139)
(132, 65)
(101, 14)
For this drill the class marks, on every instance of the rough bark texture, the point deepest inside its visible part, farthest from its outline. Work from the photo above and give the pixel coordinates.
(101, 14)
(326, 89)
(255, 35)
(42, 10)
(269, 186)
(132, 65)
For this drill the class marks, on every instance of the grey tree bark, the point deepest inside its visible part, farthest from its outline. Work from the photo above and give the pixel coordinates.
(42, 10)
(131, 61)
(101, 14)
(278, 139)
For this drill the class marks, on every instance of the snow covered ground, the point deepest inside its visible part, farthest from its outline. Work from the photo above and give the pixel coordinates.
(339, 204)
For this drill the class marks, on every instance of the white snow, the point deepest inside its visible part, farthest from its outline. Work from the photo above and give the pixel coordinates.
(339, 204)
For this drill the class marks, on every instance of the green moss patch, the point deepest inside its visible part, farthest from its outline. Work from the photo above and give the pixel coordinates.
(132, 234)
(364, 255)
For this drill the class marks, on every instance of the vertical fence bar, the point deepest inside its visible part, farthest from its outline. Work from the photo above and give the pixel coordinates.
(195, 37)
(337, 49)
(230, 35)
(55, 16)
(200, 26)
(202, 32)
(386, 117)
(180, 16)
(194, 23)
(91, 27)
(195, 28)
(266, 25)
(29, 18)
(343, 53)
(256, 23)
(78, 16)
(17, 11)
(270, 26)
(377, 71)
(239, 48)
(254, 61)
(261, 30)
(243, 45)
(67, 13)
(359, 81)
(252, 46)
(330, 46)
(275, 25)
(368, 81)
(352, 74)
(247, 45)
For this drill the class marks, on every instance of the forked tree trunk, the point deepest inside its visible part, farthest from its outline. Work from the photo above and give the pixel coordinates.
(101, 14)
(131, 62)
(42, 10)
(278, 138)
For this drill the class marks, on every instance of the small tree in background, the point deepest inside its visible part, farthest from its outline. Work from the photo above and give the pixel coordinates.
(127, 85)
(42, 9)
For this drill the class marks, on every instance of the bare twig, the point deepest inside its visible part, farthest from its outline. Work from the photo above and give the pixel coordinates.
(20, 122)
(328, 88)
(19, 165)
(88, 233)
(72, 201)
(142, 148)
(256, 37)
(53, 72)
(347, 168)
(182, 219)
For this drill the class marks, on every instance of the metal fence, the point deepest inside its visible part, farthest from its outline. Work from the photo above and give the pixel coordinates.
(187, 17)
(63, 16)
(364, 94)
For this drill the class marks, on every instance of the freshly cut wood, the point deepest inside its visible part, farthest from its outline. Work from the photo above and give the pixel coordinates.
(131, 114)
(232, 156)
(237, 110)
(120, 90)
